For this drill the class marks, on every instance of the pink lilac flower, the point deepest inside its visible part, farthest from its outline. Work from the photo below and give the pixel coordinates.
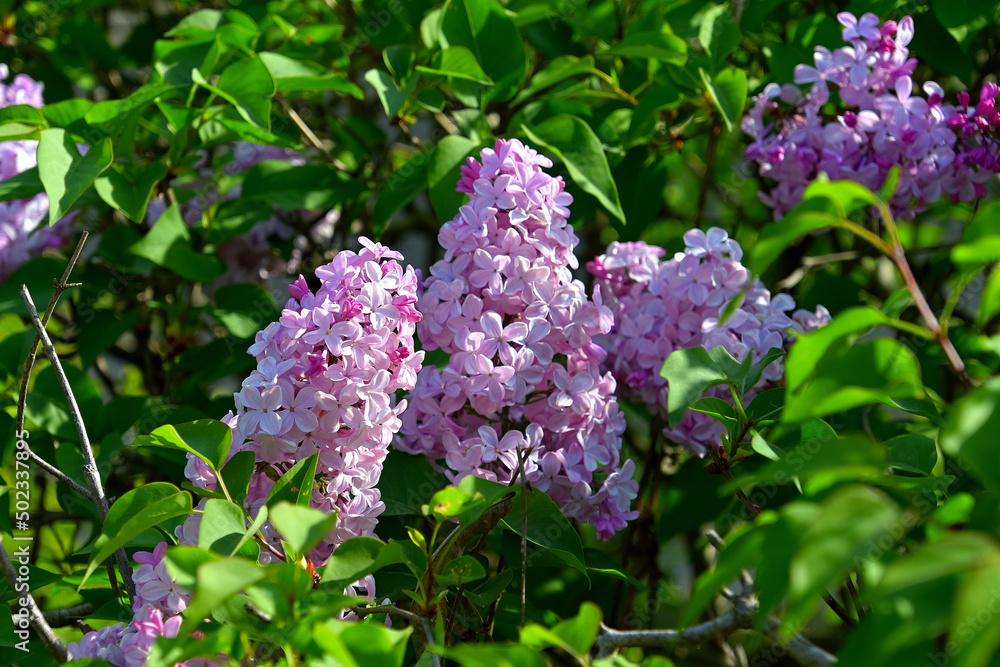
(662, 306)
(24, 229)
(325, 382)
(312, 392)
(523, 380)
(881, 121)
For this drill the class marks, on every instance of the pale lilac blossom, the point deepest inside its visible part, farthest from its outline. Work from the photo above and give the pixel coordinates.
(523, 380)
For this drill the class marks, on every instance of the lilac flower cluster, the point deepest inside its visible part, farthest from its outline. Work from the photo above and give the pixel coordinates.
(883, 122)
(662, 306)
(157, 607)
(523, 380)
(24, 232)
(325, 381)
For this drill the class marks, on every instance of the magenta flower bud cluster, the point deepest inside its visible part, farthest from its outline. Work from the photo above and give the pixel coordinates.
(662, 306)
(24, 230)
(326, 376)
(523, 378)
(883, 122)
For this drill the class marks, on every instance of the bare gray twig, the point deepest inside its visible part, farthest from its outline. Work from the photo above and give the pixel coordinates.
(90, 471)
(68, 615)
(741, 616)
(53, 645)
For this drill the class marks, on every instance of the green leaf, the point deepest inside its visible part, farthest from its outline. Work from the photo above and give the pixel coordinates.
(487, 592)
(169, 245)
(989, 300)
(360, 556)
(392, 97)
(183, 562)
(854, 376)
(65, 173)
(296, 485)
(912, 452)
(23, 114)
(222, 527)
(581, 630)
(719, 32)
(689, 372)
(362, 644)
(574, 142)
(244, 309)
(497, 655)
(111, 116)
(751, 377)
(291, 187)
(485, 29)
(217, 581)
(233, 27)
(443, 171)
(549, 528)
(248, 86)
(128, 190)
(462, 570)
(810, 349)
(301, 527)
(451, 502)
(69, 114)
(135, 512)
(721, 410)
(850, 522)
(846, 196)
(558, 70)
(292, 76)
(656, 44)
(21, 186)
(458, 62)
(208, 439)
(236, 475)
(971, 431)
(818, 463)
(728, 90)
(646, 114)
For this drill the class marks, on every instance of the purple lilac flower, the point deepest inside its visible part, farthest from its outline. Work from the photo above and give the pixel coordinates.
(662, 306)
(24, 231)
(883, 121)
(523, 378)
(325, 381)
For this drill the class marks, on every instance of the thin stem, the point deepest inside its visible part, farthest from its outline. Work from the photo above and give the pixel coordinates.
(90, 471)
(60, 617)
(859, 608)
(53, 645)
(60, 287)
(525, 488)
(59, 474)
(897, 254)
